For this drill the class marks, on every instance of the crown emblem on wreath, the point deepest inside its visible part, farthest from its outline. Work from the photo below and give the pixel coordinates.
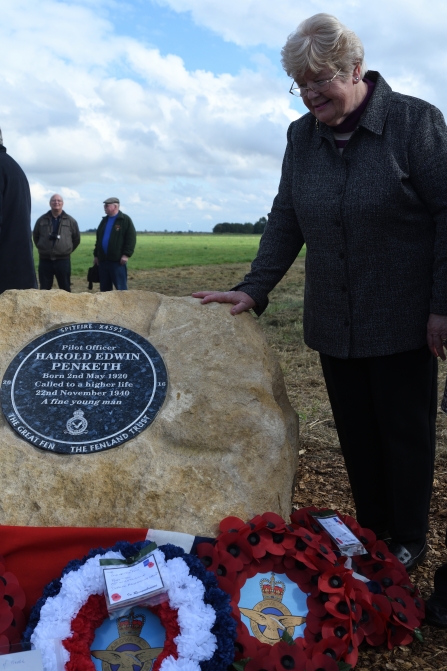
(130, 625)
(272, 589)
(78, 413)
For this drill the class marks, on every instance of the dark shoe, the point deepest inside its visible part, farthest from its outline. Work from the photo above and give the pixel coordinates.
(435, 612)
(410, 554)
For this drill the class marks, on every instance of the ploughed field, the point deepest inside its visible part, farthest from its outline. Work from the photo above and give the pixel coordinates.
(321, 478)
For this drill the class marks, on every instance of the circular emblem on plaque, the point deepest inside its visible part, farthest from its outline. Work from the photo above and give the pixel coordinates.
(84, 388)
(77, 424)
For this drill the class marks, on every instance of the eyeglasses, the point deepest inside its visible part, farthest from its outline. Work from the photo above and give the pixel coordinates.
(317, 87)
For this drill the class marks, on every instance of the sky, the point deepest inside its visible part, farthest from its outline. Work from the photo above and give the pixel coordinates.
(180, 108)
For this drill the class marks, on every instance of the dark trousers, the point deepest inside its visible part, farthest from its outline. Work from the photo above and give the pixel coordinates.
(59, 268)
(385, 412)
(112, 274)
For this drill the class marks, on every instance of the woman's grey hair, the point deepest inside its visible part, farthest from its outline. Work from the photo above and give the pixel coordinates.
(321, 42)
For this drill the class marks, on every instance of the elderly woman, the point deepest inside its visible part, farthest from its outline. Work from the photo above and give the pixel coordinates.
(364, 187)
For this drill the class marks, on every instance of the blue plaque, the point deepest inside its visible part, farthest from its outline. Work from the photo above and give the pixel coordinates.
(84, 388)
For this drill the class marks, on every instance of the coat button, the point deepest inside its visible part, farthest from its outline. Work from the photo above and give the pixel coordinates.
(346, 322)
(342, 255)
(344, 287)
(338, 223)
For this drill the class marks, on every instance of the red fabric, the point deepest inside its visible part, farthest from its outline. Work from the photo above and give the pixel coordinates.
(37, 555)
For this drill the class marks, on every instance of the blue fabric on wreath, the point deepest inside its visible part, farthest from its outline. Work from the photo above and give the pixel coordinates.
(224, 627)
(374, 587)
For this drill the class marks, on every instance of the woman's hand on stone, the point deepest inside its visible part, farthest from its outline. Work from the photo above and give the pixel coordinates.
(240, 300)
(437, 334)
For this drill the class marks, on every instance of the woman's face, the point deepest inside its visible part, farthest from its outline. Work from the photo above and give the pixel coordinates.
(343, 96)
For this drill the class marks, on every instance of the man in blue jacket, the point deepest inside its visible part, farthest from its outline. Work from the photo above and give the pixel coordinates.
(115, 243)
(16, 250)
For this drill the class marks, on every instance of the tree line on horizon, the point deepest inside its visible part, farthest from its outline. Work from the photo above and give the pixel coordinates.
(225, 227)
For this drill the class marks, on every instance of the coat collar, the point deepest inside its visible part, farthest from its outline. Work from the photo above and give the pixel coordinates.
(374, 116)
(118, 216)
(63, 214)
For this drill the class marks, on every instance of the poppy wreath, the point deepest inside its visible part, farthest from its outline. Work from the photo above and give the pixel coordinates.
(12, 602)
(200, 631)
(371, 601)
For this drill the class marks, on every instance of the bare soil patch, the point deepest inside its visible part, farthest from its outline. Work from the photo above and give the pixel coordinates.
(321, 478)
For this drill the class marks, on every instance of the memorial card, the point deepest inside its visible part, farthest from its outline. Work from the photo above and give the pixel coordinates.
(138, 582)
(28, 661)
(348, 544)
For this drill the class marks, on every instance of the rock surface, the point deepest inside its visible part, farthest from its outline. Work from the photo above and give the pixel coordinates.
(224, 443)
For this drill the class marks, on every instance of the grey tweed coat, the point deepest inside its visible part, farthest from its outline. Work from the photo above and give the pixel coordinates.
(374, 222)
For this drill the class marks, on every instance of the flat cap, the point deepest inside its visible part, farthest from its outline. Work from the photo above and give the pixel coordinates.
(109, 201)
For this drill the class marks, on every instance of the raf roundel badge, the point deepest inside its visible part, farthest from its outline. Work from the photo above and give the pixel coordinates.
(84, 388)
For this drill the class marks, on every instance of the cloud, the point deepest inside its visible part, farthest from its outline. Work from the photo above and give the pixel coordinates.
(85, 110)
(403, 39)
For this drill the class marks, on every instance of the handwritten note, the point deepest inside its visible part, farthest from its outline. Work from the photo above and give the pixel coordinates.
(28, 661)
(132, 582)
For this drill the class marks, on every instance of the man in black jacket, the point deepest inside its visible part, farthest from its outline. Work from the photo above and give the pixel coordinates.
(56, 235)
(16, 250)
(115, 243)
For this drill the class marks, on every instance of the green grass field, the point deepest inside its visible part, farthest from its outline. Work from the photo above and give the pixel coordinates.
(170, 251)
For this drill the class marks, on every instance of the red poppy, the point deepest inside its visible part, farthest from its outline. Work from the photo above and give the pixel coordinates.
(262, 662)
(246, 645)
(234, 551)
(229, 586)
(300, 642)
(257, 543)
(370, 621)
(382, 605)
(257, 522)
(303, 518)
(311, 638)
(402, 598)
(264, 565)
(380, 552)
(316, 605)
(314, 623)
(302, 576)
(12, 601)
(209, 556)
(405, 613)
(229, 524)
(299, 556)
(288, 657)
(339, 607)
(339, 628)
(274, 522)
(332, 647)
(398, 636)
(352, 654)
(333, 580)
(388, 577)
(15, 630)
(276, 542)
(305, 538)
(321, 662)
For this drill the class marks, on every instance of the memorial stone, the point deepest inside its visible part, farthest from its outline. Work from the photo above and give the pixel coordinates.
(222, 440)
